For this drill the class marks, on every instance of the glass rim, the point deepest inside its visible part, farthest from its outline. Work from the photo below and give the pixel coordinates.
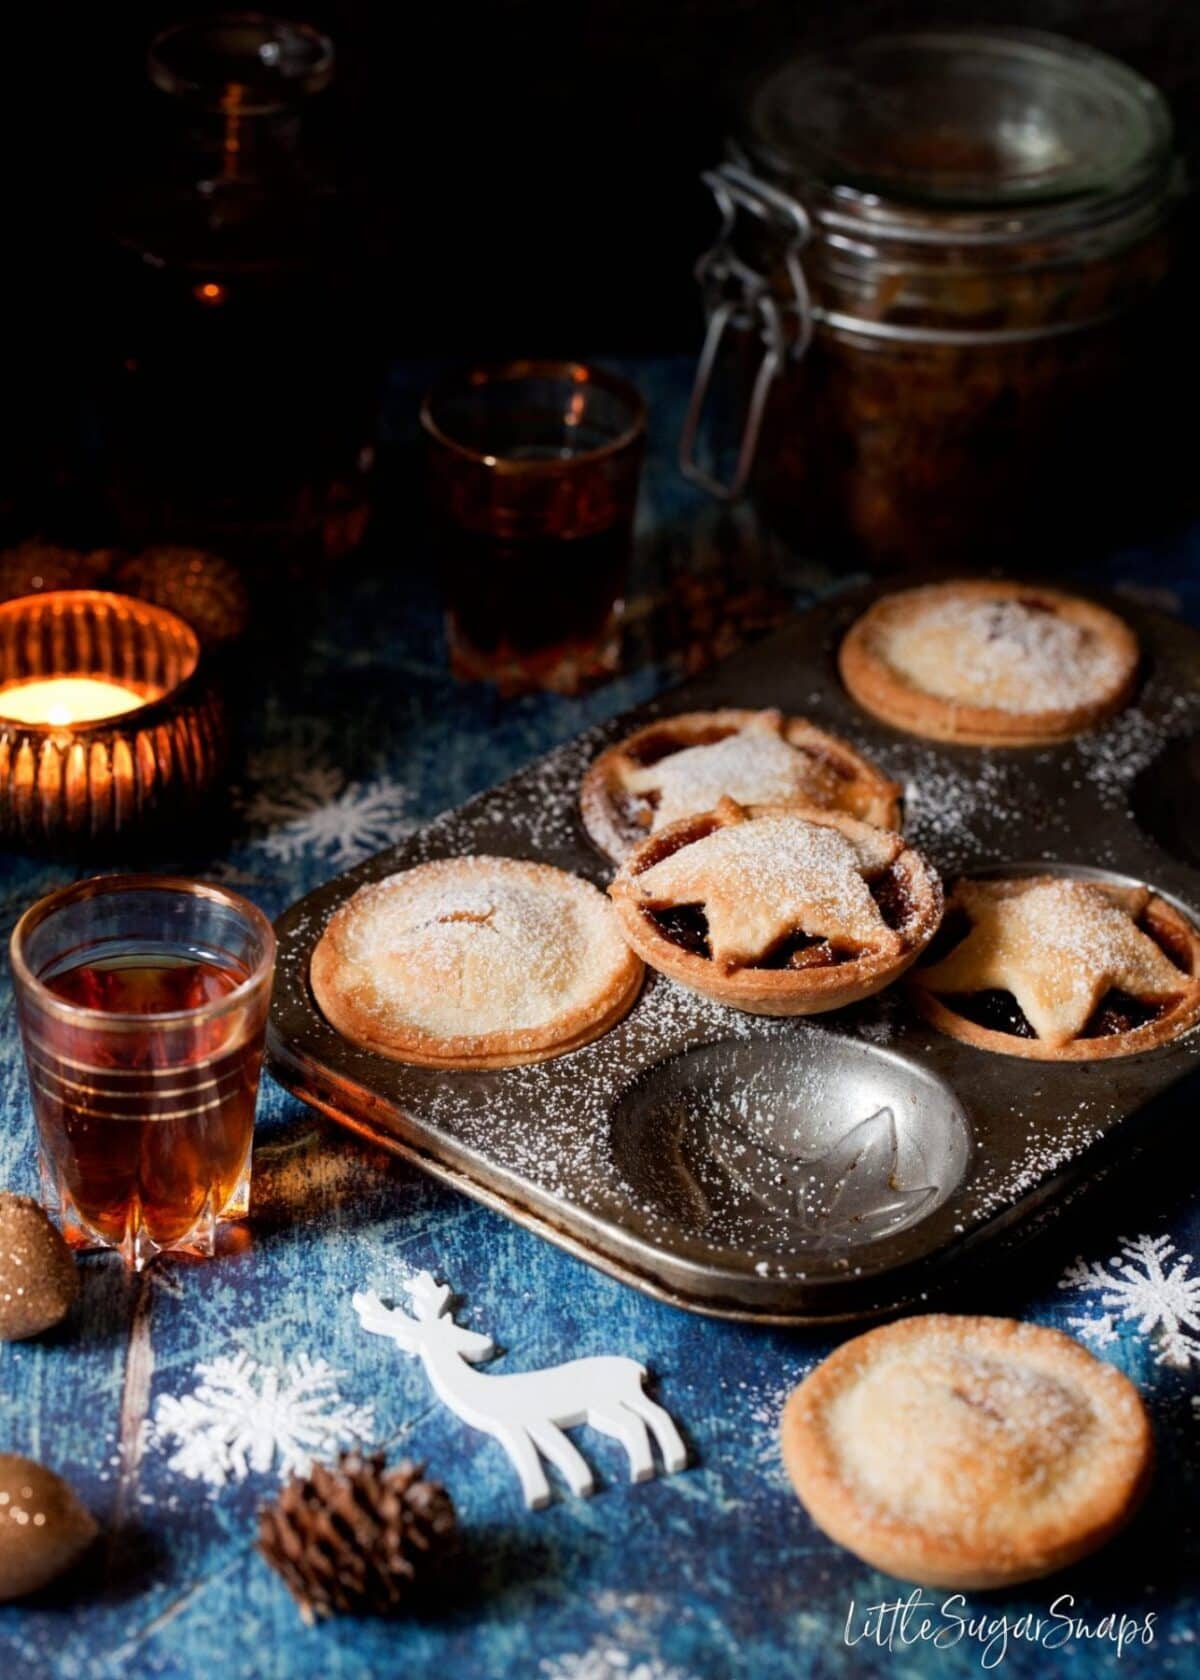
(135, 717)
(510, 372)
(173, 80)
(101, 886)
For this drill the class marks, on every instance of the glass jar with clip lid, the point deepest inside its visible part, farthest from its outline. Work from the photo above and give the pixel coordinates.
(928, 291)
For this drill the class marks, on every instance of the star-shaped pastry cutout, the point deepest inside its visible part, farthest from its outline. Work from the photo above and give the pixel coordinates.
(849, 1192)
(755, 766)
(762, 879)
(1057, 946)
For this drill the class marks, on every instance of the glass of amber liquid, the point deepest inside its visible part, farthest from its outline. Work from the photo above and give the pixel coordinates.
(142, 1003)
(533, 476)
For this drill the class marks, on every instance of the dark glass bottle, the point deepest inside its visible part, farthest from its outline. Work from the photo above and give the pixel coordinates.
(237, 397)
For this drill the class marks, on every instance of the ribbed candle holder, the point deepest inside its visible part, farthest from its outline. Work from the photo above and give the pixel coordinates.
(70, 781)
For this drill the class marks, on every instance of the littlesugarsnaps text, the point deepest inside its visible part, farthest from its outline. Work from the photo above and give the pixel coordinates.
(896, 1624)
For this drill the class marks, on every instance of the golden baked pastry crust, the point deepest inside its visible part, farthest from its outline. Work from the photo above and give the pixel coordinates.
(963, 1452)
(474, 962)
(625, 794)
(1060, 946)
(767, 877)
(989, 663)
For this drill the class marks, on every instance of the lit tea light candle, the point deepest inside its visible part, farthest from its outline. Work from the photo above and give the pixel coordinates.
(62, 701)
(107, 723)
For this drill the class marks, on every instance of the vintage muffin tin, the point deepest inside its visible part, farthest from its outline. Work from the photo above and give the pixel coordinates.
(791, 1171)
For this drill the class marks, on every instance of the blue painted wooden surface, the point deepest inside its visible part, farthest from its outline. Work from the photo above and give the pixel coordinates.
(714, 1573)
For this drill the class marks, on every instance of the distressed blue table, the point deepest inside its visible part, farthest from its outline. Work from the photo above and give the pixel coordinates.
(713, 1573)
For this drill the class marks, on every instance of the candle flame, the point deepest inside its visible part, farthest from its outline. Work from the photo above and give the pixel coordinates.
(63, 701)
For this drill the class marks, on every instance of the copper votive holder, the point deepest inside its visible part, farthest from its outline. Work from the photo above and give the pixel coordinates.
(68, 785)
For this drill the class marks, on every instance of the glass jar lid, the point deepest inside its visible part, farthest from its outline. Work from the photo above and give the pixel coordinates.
(965, 120)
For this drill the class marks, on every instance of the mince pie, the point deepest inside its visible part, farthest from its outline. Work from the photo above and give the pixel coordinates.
(967, 1452)
(475, 962)
(683, 765)
(989, 664)
(777, 910)
(1061, 969)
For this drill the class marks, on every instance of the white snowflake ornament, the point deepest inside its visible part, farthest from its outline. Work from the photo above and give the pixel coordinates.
(604, 1661)
(317, 811)
(242, 1417)
(1100, 1331)
(1149, 1285)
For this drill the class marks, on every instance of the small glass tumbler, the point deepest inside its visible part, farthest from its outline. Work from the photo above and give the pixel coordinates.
(142, 1003)
(533, 472)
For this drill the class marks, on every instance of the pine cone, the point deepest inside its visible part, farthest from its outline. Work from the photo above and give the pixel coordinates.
(357, 1539)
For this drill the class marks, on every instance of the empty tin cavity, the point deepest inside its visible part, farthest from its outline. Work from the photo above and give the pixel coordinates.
(815, 1144)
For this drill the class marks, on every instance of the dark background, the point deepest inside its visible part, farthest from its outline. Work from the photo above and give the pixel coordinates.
(526, 174)
(530, 165)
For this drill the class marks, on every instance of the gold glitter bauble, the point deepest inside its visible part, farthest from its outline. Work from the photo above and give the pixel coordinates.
(33, 567)
(44, 1529)
(38, 1279)
(203, 589)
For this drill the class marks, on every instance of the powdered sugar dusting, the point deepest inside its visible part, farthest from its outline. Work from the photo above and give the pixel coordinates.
(546, 813)
(475, 945)
(763, 1406)
(1009, 655)
(981, 1437)
(761, 879)
(556, 1129)
(943, 801)
(756, 766)
(1056, 946)
(1115, 756)
(1034, 1151)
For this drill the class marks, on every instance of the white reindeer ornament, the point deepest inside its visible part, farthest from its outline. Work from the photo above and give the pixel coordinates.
(528, 1411)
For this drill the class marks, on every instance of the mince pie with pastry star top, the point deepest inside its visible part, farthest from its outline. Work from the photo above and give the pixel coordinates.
(680, 766)
(778, 910)
(1059, 968)
(989, 664)
(474, 962)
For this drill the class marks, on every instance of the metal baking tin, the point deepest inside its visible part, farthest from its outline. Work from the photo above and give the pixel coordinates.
(789, 1172)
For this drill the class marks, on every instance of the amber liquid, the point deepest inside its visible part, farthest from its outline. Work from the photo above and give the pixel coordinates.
(534, 570)
(140, 1137)
(532, 599)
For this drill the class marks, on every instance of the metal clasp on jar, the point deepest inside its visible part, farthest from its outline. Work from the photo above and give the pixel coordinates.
(738, 295)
